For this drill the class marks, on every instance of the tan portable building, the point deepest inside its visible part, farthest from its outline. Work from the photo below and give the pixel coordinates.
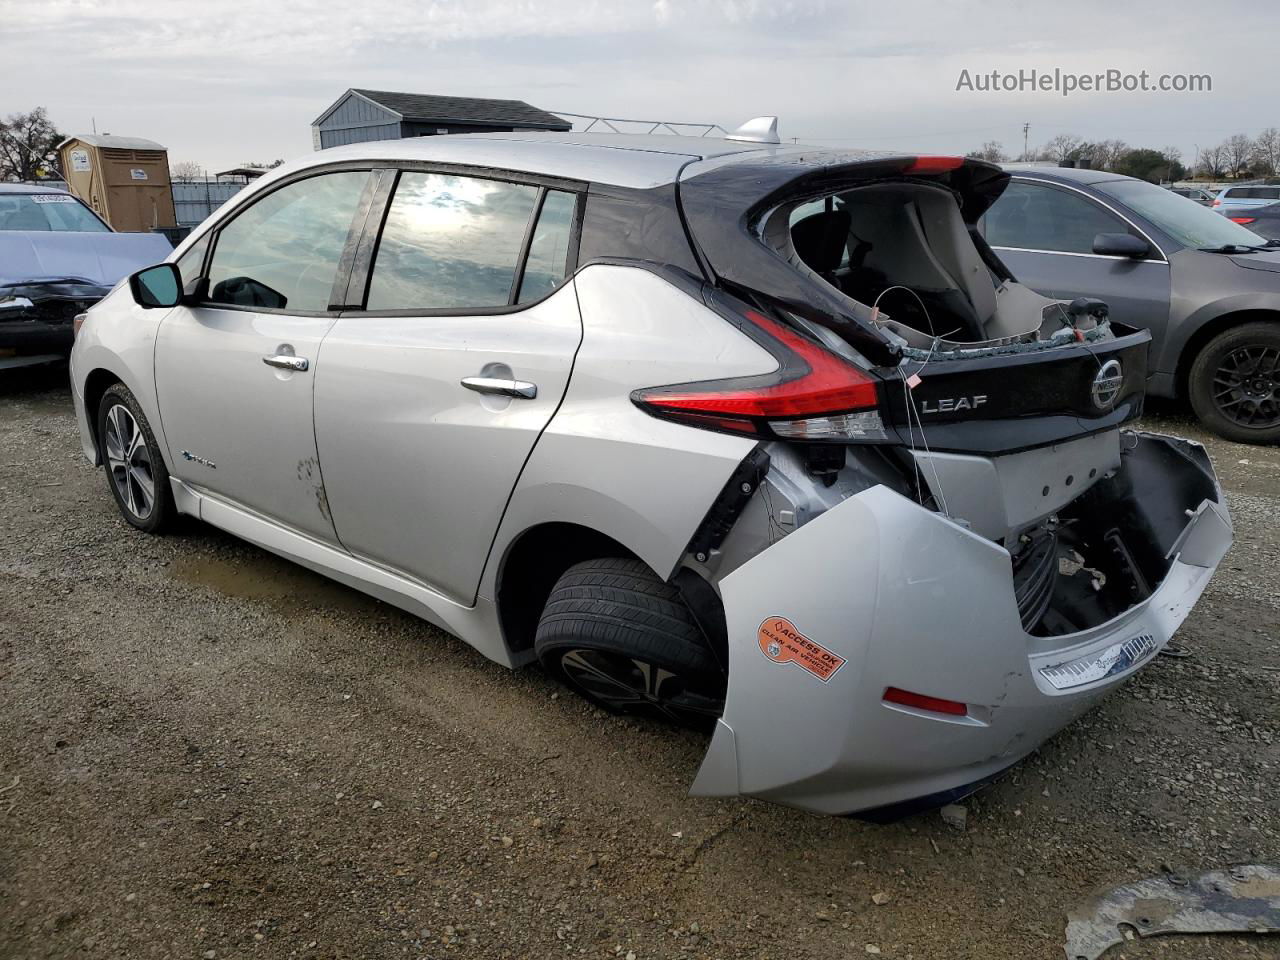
(125, 180)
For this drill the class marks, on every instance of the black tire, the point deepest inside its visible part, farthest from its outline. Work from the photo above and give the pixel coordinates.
(622, 638)
(1234, 383)
(131, 466)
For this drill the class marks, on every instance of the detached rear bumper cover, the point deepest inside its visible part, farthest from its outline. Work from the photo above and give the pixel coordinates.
(888, 594)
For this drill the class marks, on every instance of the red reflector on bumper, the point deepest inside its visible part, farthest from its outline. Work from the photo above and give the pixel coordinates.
(919, 701)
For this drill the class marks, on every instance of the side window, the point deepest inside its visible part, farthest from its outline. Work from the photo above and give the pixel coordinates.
(283, 251)
(807, 209)
(1032, 216)
(549, 249)
(450, 241)
(189, 263)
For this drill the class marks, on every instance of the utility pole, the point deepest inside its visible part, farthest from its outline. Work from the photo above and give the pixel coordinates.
(1026, 129)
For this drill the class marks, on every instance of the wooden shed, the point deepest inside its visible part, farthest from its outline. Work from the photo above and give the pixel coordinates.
(125, 180)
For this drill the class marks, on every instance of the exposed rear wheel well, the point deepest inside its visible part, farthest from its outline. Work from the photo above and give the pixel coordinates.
(1210, 330)
(531, 568)
(95, 385)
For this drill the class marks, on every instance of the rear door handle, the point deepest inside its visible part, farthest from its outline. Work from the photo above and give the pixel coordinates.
(285, 361)
(520, 389)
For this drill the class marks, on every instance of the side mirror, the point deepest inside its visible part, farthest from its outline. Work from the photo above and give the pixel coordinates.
(1120, 245)
(158, 286)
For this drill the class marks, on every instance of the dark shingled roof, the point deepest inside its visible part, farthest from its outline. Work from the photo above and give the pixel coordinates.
(430, 108)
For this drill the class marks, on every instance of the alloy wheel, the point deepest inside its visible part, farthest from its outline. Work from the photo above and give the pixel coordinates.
(1246, 386)
(129, 462)
(632, 685)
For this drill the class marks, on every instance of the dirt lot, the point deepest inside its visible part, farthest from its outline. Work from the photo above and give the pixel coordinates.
(207, 752)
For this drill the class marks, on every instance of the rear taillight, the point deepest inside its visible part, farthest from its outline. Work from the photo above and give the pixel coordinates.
(77, 322)
(1217, 202)
(1243, 219)
(813, 395)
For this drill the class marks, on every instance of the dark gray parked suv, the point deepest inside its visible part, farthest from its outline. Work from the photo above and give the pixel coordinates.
(1207, 288)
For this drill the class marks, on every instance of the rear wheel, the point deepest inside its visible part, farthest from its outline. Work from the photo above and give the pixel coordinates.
(1234, 383)
(624, 639)
(136, 473)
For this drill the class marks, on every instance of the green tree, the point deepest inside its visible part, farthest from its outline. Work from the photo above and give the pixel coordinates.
(1147, 164)
(28, 145)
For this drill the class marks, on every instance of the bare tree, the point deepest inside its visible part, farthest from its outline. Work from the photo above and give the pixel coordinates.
(1173, 161)
(1236, 152)
(1063, 147)
(1266, 151)
(1212, 161)
(185, 171)
(1107, 153)
(28, 145)
(991, 151)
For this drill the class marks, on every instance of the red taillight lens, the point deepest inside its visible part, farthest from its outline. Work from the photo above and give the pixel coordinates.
(920, 701)
(927, 165)
(1217, 202)
(1243, 219)
(815, 395)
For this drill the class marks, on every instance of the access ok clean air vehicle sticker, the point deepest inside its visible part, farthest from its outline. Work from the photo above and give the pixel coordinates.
(781, 642)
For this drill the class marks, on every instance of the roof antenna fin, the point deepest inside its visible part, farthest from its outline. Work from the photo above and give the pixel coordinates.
(758, 130)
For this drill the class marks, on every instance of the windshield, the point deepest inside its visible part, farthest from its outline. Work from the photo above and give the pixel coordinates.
(45, 212)
(1184, 220)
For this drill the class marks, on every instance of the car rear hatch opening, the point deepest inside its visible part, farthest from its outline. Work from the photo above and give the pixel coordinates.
(879, 258)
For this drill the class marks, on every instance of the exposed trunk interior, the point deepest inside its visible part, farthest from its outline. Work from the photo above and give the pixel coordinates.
(904, 248)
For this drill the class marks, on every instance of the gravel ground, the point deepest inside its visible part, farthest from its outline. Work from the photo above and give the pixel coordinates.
(208, 752)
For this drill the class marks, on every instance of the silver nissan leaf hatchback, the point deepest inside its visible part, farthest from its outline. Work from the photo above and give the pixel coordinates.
(762, 439)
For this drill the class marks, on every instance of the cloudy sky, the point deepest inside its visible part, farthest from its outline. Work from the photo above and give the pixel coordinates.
(239, 81)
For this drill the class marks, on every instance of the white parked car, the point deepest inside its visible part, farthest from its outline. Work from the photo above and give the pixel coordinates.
(759, 438)
(1242, 198)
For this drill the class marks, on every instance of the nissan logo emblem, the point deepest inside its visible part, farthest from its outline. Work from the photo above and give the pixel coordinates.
(1107, 384)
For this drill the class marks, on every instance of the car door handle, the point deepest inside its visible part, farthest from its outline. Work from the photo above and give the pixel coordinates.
(285, 361)
(520, 389)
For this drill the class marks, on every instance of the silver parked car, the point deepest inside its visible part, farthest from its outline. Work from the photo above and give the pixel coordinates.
(759, 438)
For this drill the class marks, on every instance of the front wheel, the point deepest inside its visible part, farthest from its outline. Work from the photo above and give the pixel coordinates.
(1234, 383)
(136, 474)
(624, 639)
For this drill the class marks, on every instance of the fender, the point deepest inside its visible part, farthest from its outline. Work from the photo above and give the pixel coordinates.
(1171, 360)
(119, 336)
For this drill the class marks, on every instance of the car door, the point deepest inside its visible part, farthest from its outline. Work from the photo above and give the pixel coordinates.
(1044, 233)
(235, 370)
(429, 399)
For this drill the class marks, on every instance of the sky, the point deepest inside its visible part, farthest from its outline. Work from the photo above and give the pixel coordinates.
(238, 81)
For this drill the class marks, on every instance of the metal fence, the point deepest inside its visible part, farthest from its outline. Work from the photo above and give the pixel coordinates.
(195, 200)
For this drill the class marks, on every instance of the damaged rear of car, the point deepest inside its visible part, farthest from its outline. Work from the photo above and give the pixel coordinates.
(951, 547)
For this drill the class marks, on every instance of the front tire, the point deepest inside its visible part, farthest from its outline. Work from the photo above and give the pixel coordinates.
(622, 638)
(136, 474)
(1234, 383)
